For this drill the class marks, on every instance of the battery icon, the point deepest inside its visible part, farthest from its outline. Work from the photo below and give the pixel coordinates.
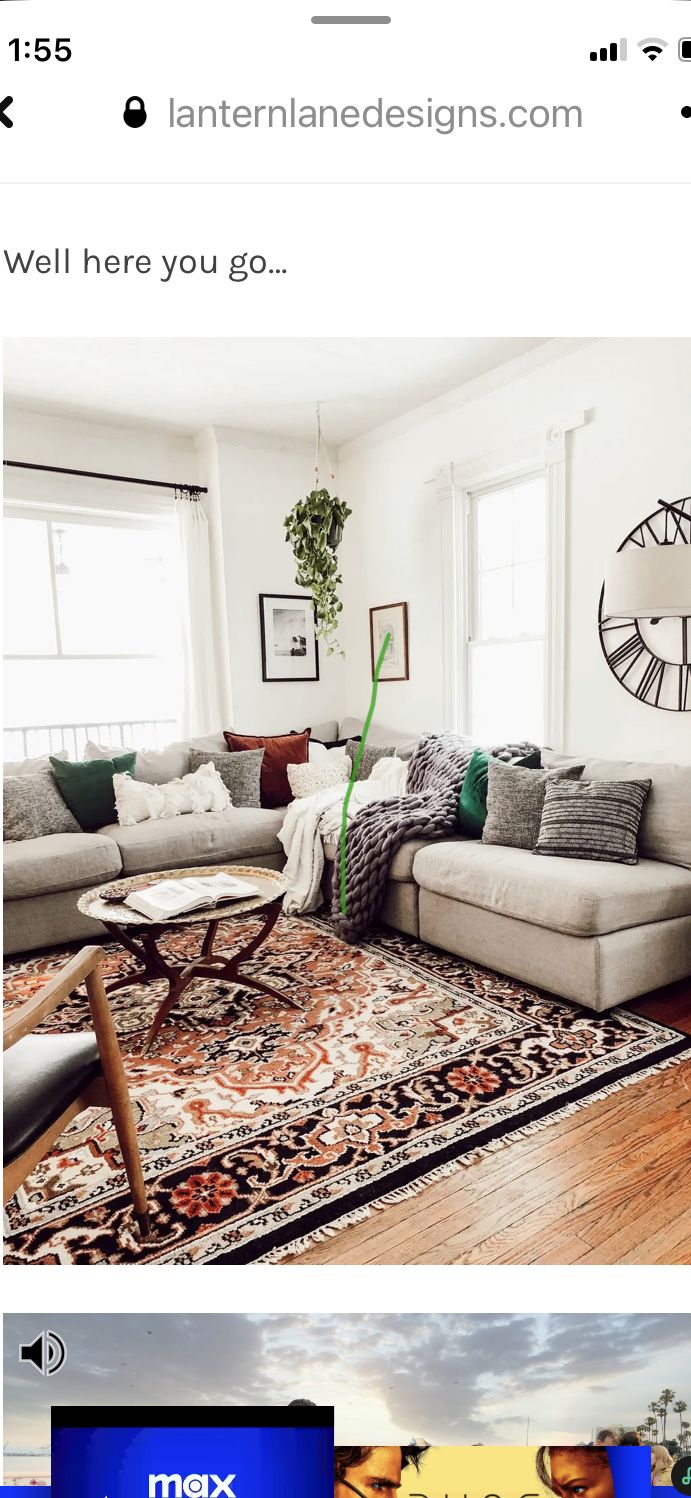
(685, 48)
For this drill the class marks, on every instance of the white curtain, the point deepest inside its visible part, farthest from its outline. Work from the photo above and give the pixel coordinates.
(205, 674)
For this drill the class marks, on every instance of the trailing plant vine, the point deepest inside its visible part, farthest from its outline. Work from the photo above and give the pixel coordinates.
(314, 529)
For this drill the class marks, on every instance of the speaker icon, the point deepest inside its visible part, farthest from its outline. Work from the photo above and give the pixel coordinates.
(47, 1353)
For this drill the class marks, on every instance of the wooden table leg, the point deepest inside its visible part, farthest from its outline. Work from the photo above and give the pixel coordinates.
(146, 951)
(207, 964)
(231, 973)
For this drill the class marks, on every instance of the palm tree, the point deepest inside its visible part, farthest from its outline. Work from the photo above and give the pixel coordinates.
(684, 1433)
(679, 1408)
(666, 1398)
(654, 1411)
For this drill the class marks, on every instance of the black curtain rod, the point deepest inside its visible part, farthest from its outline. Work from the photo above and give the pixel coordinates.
(117, 478)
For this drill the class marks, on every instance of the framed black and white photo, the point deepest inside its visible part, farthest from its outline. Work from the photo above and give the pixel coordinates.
(290, 650)
(390, 619)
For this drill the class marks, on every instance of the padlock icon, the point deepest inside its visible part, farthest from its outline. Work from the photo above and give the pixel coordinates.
(135, 112)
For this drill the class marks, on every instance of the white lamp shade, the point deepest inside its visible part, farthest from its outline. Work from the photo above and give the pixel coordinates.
(651, 582)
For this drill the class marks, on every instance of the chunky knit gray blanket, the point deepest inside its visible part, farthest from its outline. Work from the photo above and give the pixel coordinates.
(428, 810)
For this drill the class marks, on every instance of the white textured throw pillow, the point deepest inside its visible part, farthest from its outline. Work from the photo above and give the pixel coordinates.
(153, 765)
(306, 780)
(135, 801)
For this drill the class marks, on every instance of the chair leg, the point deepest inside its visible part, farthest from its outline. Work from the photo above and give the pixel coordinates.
(118, 1097)
(127, 1139)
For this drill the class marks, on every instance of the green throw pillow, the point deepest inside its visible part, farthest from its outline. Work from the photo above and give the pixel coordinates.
(87, 788)
(472, 802)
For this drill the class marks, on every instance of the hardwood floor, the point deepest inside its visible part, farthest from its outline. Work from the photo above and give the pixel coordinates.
(611, 1185)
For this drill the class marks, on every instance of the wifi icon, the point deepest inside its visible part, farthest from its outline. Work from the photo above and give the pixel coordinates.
(652, 47)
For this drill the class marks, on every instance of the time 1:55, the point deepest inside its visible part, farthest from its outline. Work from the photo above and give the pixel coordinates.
(41, 49)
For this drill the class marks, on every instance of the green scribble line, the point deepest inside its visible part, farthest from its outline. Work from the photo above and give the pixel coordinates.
(356, 767)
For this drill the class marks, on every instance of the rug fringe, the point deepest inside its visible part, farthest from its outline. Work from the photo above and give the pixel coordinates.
(452, 1167)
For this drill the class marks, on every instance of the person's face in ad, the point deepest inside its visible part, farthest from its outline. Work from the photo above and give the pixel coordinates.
(581, 1474)
(378, 1474)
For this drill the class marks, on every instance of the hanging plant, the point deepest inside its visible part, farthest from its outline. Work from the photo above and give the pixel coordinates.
(314, 530)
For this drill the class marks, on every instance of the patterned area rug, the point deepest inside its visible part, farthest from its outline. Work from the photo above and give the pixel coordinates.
(263, 1127)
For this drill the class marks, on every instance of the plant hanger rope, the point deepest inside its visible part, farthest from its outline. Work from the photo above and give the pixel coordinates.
(320, 445)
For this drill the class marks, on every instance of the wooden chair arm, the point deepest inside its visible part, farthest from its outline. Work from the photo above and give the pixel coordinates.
(23, 1020)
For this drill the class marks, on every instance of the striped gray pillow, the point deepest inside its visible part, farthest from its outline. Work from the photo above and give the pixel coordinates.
(596, 819)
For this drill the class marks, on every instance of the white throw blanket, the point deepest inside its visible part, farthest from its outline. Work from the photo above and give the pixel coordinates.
(312, 818)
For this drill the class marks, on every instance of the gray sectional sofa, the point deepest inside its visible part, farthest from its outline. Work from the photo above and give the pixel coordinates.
(45, 877)
(596, 933)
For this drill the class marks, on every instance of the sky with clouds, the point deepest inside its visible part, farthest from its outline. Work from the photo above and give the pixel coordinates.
(451, 1379)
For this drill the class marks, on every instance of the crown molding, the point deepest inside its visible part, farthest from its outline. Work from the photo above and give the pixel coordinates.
(495, 379)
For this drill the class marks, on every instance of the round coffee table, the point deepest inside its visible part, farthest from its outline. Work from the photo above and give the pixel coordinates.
(141, 936)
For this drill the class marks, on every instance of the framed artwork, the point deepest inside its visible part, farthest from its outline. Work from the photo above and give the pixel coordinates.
(390, 618)
(290, 650)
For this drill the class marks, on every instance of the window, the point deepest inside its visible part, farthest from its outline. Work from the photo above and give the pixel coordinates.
(507, 589)
(92, 635)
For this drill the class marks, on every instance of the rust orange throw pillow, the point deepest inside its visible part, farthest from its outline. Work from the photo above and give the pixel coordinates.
(280, 750)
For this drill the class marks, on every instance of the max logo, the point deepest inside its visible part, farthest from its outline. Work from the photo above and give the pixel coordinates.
(195, 1485)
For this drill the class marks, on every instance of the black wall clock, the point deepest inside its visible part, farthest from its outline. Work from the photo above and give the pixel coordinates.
(650, 657)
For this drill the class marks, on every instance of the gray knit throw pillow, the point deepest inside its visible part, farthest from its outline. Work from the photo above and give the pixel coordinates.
(596, 819)
(240, 773)
(33, 807)
(370, 756)
(515, 798)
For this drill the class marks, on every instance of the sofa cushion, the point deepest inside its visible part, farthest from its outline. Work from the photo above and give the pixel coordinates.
(579, 898)
(324, 733)
(153, 766)
(665, 831)
(30, 766)
(404, 743)
(401, 869)
(63, 860)
(201, 837)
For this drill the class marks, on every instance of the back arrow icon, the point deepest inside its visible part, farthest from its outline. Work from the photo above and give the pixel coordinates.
(4, 118)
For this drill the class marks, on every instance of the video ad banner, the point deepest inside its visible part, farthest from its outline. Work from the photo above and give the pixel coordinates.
(183, 1453)
(492, 1472)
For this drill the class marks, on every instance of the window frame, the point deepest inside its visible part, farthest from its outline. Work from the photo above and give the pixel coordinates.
(48, 516)
(455, 486)
(473, 642)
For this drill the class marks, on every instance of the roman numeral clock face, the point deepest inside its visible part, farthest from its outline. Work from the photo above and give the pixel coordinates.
(650, 658)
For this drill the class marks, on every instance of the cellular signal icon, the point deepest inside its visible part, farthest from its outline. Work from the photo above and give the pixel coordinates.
(652, 47)
(615, 52)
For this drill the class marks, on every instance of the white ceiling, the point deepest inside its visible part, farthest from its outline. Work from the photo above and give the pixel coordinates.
(267, 385)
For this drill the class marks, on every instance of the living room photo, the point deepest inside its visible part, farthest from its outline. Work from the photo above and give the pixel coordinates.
(347, 801)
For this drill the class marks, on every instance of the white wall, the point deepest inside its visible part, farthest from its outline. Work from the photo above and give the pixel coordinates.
(257, 485)
(259, 482)
(634, 450)
(35, 437)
